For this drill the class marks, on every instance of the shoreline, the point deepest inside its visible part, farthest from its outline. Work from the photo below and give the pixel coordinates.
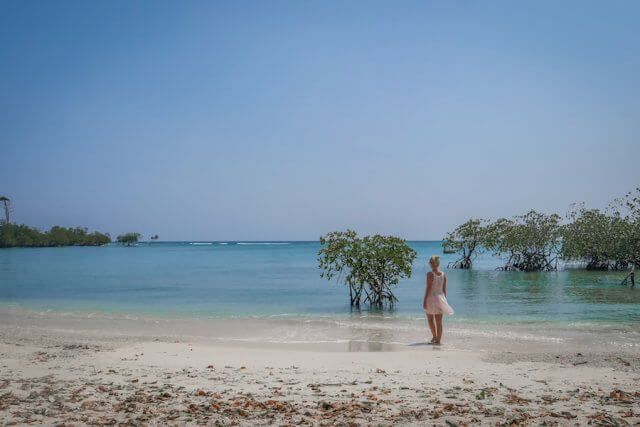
(365, 332)
(79, 376)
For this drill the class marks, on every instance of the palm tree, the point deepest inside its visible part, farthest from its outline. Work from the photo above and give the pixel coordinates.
(7, 207)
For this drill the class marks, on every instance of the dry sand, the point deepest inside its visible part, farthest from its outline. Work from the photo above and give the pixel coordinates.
(76, 377)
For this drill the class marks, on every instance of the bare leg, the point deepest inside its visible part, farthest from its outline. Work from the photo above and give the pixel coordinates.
(432, 326)
(438, 327)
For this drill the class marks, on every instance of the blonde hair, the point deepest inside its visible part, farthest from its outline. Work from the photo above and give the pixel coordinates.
(434, 261)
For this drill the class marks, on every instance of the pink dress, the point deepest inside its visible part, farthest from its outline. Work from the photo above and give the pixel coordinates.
(436, 301)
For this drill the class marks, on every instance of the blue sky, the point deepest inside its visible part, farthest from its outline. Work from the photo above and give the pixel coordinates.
(287, 119)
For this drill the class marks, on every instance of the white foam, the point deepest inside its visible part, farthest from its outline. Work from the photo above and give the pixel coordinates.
(200, 243)
(262, 243)
(505, 335)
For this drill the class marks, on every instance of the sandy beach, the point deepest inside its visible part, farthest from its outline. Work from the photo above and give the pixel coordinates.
(74, 375)
(249, 213)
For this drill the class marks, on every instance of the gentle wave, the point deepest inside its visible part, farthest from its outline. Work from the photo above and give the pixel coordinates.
(200, 243)
(262, 243)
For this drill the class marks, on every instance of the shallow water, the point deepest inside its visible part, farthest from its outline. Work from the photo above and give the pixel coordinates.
(221, 280)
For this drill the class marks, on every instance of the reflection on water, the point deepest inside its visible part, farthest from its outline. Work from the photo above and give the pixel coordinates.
(599, 288)
(355, 346)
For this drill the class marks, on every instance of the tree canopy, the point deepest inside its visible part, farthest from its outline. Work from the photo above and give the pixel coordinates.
(14, 235)
(607, 239)
(535, 241)
(370, 266)
(592, 237)
(530, 242)
(626, 213)
(466, 240)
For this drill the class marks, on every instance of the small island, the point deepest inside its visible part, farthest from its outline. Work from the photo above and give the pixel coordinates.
(128, 239)
(14, 236)
(22, 236)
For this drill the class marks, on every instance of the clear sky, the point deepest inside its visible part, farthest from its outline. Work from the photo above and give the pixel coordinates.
(264, 120)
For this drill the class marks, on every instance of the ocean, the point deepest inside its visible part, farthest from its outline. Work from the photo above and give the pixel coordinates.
(281, 281)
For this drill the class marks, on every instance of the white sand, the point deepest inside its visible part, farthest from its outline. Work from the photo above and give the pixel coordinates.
(80, 376)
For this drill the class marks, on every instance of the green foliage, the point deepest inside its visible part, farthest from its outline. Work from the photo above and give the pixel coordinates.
(466, 240)
(530, 242)
(155, 237)
(626, 227)
(370, 266)
(605, 240)
(128, 239)
(593, 237)
(533, 242)
(14, 235)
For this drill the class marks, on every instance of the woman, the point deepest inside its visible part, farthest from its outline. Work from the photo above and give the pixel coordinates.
(435, 299)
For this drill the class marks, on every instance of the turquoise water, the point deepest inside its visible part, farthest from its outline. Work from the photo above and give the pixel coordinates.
(231, 279)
